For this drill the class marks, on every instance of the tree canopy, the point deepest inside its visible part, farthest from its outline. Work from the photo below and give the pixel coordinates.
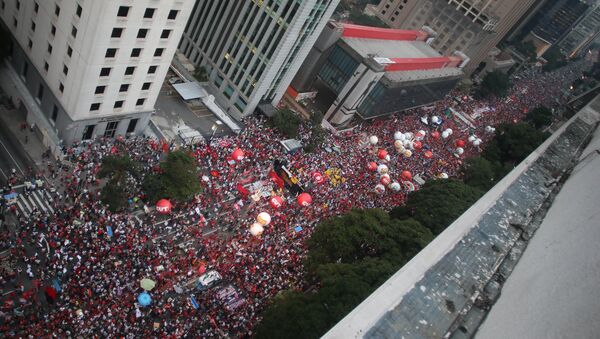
(555, 59)
(539, 117)
(438, 203)
(480, 173)
(494, 83)
(527, 48)
(117, 169)
(178, 178)
(287, 122)
(513, 143)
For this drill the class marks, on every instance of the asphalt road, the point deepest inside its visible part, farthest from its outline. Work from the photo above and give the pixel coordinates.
(12, 155)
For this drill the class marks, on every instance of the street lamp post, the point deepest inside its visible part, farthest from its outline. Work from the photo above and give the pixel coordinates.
(214, 128)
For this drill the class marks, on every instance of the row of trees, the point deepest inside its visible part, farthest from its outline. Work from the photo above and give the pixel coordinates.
(288, 123)
(177, 180)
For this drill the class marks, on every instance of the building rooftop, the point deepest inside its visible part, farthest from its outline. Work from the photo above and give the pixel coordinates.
(391, 48)
(445, 289)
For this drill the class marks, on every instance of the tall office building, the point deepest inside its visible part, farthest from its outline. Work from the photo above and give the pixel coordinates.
(471, 26)
(252, 49)
(92, 68)
(581, 36)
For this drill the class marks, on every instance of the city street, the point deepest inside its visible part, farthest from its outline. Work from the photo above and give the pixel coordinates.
(12, 155)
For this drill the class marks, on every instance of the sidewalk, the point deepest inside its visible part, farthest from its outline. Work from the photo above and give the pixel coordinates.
(34, 146)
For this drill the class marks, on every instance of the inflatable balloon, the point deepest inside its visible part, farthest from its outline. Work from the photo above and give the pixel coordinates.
(420, 135)
(435, 119)
(385, 180)
(372, 166)
(395, 186)
(477, 142)
(256, 229)
(428, 154)
(417, 145)
(263, 218)
(373, 140)
(472, 138)
(460, 151)
(406, 176)
(163, 206)
(304, 199)
(445, 134)
(380, 188)
(276, 202)
(381, 154)
(443, 176)
(435, 135)
(450, 131)
(398, 136)
(409, 135)
(318, 178)
(398, 144)
(387, 158)
(408, 144)
(237, 154)
(407, 153)
(409, 186)
(460, 143)
(382, 169)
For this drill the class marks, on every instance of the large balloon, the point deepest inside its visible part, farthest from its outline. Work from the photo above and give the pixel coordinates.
(450, 131)
(372, 166)
(407, 154)
(263, 218)
(382, 169)
(428, 154)
(460, 143)
(385, 180)
(256, 229)
(420, 135)
(477, 142)
(318, 178)
(408, 144)
(395, 186)
(398, 144)
(406, 175)
(460, 150)
(471, 138)
(381, 154)
(373, 140)
(409, 186)
(237, 154)
(435, 119)
(445, 134)
(435, 135)
(163, 206)
(408, 135)
(417, 145)
(380, 188)
(276, 201)
(304, 199)
(443, 176)
(398, 136)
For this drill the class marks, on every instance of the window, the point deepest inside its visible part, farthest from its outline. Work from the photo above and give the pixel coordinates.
(25, 69)
(3, 5)
(53, 30)
(136, 52)
(111, 52)
(111, 128)
(40, 93)
(56, 10)
(105, 71)
(140, 102)
(152, 69)
(61, 87)
(15, 22)
(69, 51)
(78, 11)
(65, 70)
(88, 131)
(36, 8)
(100, 89)
(159, 52)
(142, 33)
(129, 70)
(54, 113)
(74, 31)
(124, 88)
(95, 106)
(149, 13)
(132, 125)
(118, 104)
(49, 49)
(116, 32)
(46, 66)
(165, 34)
(18, 4)
(123, 11)
(146, 86)
(30, 44)
(173, 14)
(32, 26)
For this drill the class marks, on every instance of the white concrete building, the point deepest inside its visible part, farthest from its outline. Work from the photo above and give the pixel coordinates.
(252, 49)
(93, 68)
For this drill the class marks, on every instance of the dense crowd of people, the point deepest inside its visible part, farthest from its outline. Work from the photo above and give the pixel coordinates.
(83, 280)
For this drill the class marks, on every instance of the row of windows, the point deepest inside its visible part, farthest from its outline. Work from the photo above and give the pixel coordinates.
(117, 32)
(118, 104)
(105, 71)
(112, 52)
(123, 88)
(123, 12)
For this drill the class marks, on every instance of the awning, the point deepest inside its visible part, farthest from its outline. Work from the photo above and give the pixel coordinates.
(190, 90)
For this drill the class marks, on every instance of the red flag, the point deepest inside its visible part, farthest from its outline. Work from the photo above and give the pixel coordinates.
(243, 191)
(277, 179)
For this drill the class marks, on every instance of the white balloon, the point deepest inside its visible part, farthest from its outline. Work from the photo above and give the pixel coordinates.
(409, 135)
(373, 140)
(388, 158)
(256, 229)
(445, 134)
(263, 218)
(382, 169)
(379, 188)
(477, 142)
(398, 144)
(460, 150)
(385, 175)
(435, 119)
(395, 186)
(450, 131)
(408, 144)
(472, 138)
(444, 176)
(407, 154)
(398, 136)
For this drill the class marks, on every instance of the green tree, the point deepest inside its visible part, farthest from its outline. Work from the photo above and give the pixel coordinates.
(539, 117)
(180, 175)
(513, 143)
(439, 202)
(480, 173)
(527, 48)
(117, 190)
(554, 59)
(494, 83)
(154, 188)
(287, 122)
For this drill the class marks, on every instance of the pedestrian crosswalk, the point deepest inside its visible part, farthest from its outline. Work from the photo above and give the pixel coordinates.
(37, 200)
